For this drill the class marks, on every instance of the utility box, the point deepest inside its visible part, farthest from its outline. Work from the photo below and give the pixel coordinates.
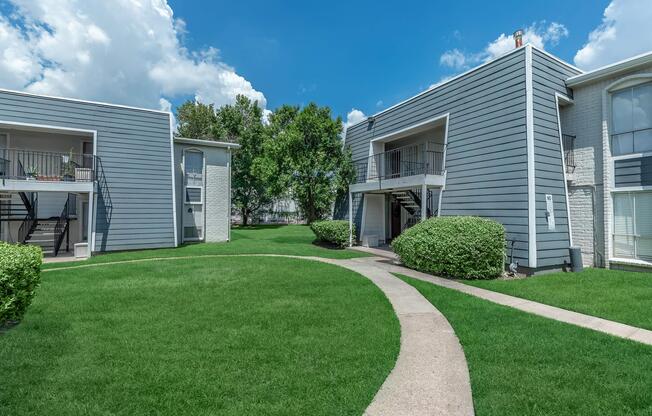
(370, 241)
(81, 250)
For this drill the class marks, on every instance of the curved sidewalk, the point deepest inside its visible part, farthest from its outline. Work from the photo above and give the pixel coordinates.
(430, 376)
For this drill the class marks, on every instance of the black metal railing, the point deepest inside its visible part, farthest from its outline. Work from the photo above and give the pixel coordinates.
(30, 220)
(398, 163)
(47, 166)
(62, 227)
(568, 144)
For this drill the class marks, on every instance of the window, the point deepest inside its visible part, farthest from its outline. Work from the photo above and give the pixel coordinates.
(631, 111)
(194, 163)
(193, 195)
(633, 225)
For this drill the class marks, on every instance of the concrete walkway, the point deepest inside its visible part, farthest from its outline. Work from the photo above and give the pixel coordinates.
(430, 376)
(617, 329)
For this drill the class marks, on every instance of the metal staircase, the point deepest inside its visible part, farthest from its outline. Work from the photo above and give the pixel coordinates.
(410, 201)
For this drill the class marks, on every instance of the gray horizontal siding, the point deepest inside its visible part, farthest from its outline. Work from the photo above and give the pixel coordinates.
(486, 159)
(548, 77)
(633, 172)
(134, 207)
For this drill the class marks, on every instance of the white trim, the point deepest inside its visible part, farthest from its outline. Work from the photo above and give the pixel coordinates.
(174, 185)
(611, 69)
(559, 97)
(559, 60)
(608, 178)
(77, 100)
(228, 197)
(630, 262)
(92, 207)
(200, 187)
(350, 219)
(631, 189)
(631, 156)
(364, 214)
(49, 127)
(208, 143)
(406, 131)
(531, 180)
(438, 86)
(424, 202)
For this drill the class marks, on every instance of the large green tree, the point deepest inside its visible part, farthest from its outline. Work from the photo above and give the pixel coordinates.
(196, 120)
(304, 154)
(242, 123)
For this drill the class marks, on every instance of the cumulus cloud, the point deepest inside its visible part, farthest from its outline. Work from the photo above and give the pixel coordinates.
(354, 117)
(121, 51)
(624, 32)
(538, 34)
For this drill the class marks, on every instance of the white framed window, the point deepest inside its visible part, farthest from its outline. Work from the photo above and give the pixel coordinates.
(631, 120)
(632, 225)
(194, 194)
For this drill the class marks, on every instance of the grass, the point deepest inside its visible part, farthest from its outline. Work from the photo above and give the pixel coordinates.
(611, 294)
(522, 364)
(228, 336)
(295, 240)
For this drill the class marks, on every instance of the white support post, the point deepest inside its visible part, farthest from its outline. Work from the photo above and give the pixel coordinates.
(350, 219)
(90, 240)
(424, 201)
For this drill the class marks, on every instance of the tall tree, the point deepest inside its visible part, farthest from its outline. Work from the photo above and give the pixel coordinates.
(242, 123)
(196, 120)
(303, 153)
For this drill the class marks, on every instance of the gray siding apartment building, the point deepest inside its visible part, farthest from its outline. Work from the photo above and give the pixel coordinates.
(516, 140)
(95, 177)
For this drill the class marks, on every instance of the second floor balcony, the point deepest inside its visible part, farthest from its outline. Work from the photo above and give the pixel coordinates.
(31, 165)
(395, 166)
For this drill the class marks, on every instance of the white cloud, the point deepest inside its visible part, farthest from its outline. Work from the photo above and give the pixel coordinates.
(353, 117)
(121, 51)
(624, 32)
(538, 34)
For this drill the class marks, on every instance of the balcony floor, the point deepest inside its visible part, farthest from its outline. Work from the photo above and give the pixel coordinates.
(24, 185)
(398, 183)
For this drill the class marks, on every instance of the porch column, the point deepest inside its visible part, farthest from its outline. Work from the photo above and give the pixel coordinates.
(350, 219)
(424, 201)
(89, 233)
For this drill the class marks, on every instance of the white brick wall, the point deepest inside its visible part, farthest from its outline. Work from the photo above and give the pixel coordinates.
(216, 203)
(586, 121)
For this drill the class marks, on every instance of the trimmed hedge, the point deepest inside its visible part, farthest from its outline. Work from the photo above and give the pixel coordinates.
(20, 276)
(332, 231)
(458, 247)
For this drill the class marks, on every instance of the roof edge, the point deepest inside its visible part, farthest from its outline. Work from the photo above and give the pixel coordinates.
(78, 100)
(205, 142)
(441, 84)
(611, 69)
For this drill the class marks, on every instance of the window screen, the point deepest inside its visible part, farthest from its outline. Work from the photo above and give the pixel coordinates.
(193, 195)
(194, 163)
(633, 225)
(631, 115)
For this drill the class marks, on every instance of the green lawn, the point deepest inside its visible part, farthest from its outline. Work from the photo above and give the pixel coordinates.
(522, 364)
(612, 294)
(227, 336)
(295, 240)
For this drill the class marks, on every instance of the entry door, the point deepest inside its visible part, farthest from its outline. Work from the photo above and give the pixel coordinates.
(193, 206)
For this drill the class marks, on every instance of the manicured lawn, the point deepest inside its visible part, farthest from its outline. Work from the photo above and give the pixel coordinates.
(612, 294)
(522, 364)
(215, 336)
(261, 239)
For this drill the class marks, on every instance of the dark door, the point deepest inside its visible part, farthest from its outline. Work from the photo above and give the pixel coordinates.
(395, 220)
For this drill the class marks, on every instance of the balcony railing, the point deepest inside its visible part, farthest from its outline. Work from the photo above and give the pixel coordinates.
(568, 143)
(399, 163)
(47, 166)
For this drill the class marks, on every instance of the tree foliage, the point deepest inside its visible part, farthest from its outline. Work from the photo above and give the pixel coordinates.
(303, 153)
(196, 120)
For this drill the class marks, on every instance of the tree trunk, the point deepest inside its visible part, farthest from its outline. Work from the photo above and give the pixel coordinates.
(245, 217)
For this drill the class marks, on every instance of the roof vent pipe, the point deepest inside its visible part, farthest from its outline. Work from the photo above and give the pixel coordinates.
(518, 38)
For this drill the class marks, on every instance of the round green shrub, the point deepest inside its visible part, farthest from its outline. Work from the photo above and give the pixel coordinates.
(458, 247)
(332, 231)
(20, 276)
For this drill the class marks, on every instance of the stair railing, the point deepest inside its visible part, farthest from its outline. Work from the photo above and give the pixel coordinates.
(29, 222)
(62, 227)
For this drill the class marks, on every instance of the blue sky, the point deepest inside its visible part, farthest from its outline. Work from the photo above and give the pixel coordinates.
(365, 54)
